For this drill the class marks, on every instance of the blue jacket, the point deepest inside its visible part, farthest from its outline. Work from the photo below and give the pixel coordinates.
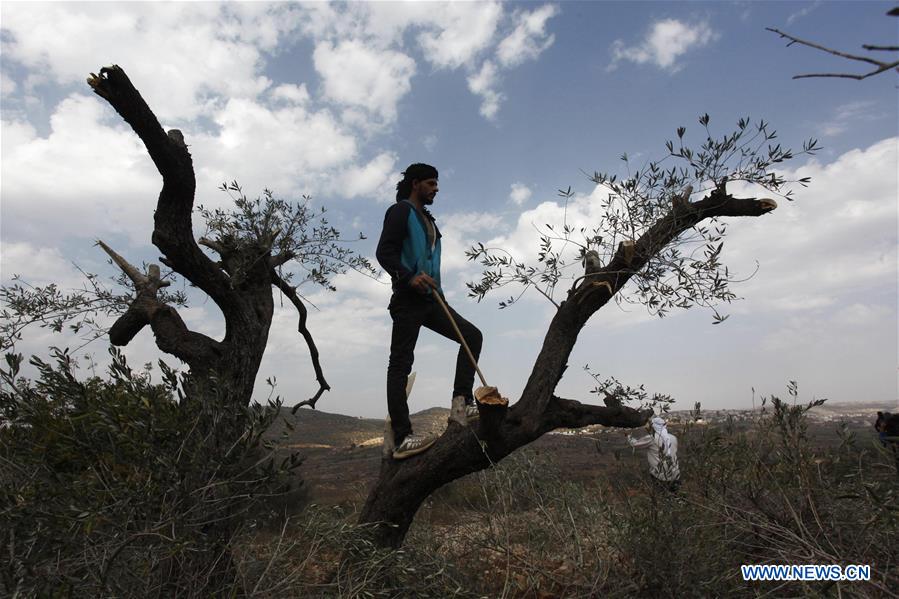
(403, 250)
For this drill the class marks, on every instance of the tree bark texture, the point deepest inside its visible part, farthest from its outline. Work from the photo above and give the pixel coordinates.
(403, 485)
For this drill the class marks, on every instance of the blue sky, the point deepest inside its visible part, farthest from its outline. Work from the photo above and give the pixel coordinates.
(511, 101)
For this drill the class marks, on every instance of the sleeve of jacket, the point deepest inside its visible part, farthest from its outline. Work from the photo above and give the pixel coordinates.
(641, 442)
(390, 245)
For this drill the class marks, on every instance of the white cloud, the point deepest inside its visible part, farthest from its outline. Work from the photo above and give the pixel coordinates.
(484, 84)
(361, 77)
(841, 229)
(529, 38)
(522, 242)
(380, 24)
(451, 36)
(101, 173)
(460, 30)
(50, 38)
(81, 174)
(861, 314)
(847, 115)
(7, 85)
(288, 92)
(38, 265)
(520, 193)
(430, 142)
(460, 231)
(288, 149)
(803, 12)
(372, 179)
(345, 327)
(665, 42)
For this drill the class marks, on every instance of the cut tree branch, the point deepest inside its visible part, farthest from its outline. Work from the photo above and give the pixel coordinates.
(213, 245)
(281, 259)
(173, 233)
(172, 335)
(152, 281)
(291, 294)
(568, 413)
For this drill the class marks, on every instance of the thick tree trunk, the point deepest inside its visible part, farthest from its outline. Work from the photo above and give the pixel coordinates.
(403, 485)
(227, 367)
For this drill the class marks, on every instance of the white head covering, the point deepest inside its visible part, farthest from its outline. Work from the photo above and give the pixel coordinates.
(661, 430)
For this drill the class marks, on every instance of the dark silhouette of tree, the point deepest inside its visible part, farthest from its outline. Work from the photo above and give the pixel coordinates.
(253, 243)
(656, 234)
(163, 475)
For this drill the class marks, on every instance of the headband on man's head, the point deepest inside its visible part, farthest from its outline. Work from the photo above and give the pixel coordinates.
(419, 171)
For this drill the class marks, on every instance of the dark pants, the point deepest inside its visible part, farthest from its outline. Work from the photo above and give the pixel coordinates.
(410, 312)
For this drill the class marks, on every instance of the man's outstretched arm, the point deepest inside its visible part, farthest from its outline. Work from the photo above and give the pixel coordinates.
(640, 443)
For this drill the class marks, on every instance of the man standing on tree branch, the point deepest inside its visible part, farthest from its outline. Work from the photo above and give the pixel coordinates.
(409, 250)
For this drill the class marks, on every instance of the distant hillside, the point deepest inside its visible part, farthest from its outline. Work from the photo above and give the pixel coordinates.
(316, 429)
(313, 428)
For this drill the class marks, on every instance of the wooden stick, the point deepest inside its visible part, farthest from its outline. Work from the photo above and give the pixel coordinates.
(459, 333)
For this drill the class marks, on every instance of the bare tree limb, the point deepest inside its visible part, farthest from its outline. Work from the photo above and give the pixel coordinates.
(885, 67)
(282, 258)
(172, 335)
(568, 413)
(881, 65)
(173, 233)
(291, 294)
(212, 244)
(593, 294)
(152, 281)
(140, 281)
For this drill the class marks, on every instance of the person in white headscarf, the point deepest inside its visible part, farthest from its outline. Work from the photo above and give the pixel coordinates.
(661, 453)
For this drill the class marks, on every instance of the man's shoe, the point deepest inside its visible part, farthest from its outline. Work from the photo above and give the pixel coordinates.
(471, 412)
(413, 445)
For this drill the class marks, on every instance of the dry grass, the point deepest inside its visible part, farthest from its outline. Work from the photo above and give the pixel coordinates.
(760, 493)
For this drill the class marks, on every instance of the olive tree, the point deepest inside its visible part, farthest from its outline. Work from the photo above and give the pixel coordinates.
(659, 242)
(254, 246)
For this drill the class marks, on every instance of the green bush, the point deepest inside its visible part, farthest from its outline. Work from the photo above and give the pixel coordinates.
(759, 492)
(125, 487)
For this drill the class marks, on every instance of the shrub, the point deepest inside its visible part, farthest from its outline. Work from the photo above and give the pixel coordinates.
(765, 493)
(125, 486)
(761, 491)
